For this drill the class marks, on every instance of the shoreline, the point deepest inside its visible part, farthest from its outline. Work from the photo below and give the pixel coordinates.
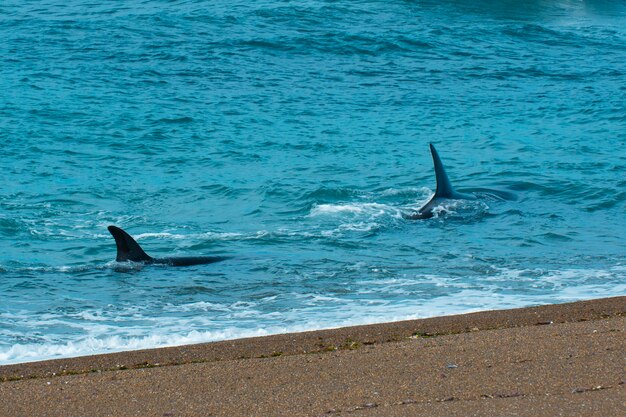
(320, 340)
(277, 357)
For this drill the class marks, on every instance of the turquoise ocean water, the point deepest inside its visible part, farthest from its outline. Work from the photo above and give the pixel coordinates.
(293, 136)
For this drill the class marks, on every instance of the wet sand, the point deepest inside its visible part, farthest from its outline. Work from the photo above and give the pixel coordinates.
(566, 359)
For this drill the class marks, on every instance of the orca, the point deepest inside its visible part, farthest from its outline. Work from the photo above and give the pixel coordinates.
(444, 191)
(129, 250)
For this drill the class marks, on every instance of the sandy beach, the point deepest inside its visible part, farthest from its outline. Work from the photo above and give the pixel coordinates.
(565, 359)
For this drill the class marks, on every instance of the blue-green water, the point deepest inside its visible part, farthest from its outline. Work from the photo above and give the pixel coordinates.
(293, 136)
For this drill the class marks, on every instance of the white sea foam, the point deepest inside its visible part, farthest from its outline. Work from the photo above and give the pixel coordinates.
(370, 209)
(60, 268)
(193, 236)
(424, 191)
(94, 345)
(198, 306)
(160, 235)
(329, 312)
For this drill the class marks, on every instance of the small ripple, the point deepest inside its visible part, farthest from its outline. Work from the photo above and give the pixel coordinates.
(177, 120)
(330, 194)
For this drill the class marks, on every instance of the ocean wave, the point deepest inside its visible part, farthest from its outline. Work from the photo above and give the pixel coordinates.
(94, 345)
(326, 312)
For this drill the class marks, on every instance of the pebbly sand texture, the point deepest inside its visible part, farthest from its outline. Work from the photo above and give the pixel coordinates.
(566, 359)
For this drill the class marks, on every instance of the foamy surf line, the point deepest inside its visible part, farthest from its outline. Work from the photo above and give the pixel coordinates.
(23, 353)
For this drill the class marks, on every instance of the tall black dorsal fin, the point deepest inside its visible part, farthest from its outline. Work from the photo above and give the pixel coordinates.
(444, 188)
(127, 248)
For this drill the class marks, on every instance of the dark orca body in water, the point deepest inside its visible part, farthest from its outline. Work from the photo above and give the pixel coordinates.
(129, 250)
(444, 191)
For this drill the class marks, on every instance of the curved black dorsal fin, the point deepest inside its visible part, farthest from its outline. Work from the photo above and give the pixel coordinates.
(444, 188)
(127, 248)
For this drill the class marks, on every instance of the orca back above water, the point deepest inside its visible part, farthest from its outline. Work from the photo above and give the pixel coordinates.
(444, 191)
(129, 250)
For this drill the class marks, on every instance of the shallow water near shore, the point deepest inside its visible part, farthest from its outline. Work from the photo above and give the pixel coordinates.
(294, 137)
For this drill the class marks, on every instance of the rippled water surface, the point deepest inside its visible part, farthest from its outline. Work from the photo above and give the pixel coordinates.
(293, 136)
